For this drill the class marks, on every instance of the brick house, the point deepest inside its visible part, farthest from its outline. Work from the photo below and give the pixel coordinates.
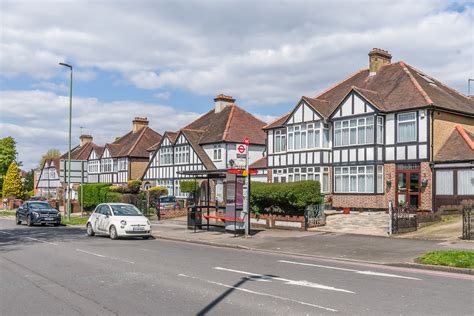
(370, 138)
(208, 143)
(126, 158)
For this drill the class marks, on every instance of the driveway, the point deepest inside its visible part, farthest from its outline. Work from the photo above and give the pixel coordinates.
(364, 223)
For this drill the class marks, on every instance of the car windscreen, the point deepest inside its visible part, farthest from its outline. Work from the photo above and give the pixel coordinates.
(40, 205)
(125, 210)
(167, 199)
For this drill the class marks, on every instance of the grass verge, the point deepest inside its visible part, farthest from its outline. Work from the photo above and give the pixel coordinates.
(7, 213)
(450, 258)
(74, 220)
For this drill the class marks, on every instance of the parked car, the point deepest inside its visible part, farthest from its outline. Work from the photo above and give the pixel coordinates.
(118, 220)
(168, 203)
(37, 212)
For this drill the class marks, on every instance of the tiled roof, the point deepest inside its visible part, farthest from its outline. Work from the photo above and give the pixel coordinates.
(55, 162)
(458, 147)
(259, 164)
(80, 152)
(232, 124)
(194, 137)
(395, 87)
(134, 144)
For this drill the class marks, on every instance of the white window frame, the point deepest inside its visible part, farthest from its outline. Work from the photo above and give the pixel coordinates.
(407, 121)
(343, 130)
(280, 141)
(359, 173)
(217, 153)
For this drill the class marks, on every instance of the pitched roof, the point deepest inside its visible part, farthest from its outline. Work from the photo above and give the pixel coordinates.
(80, 152)
(232, 124)
(170, 135)
(55, 162)
(259, 164)
(194, 137)
(395, 87)
(134, 144)
(458, 147)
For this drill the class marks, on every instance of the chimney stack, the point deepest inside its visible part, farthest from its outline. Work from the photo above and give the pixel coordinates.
(221, 101)
(139, 123)
(378, 58)
(85, 139)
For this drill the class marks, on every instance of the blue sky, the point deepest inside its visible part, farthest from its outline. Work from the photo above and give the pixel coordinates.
(167, 60)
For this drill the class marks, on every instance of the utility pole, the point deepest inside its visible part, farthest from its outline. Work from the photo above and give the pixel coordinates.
(469, 87)
(69, 148)
(246, 190)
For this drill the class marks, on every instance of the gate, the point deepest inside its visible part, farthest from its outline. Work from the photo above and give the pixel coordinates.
(467, 223)
(402, 219)
(314, 216)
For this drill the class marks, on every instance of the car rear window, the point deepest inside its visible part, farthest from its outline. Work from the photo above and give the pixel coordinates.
(167, 199)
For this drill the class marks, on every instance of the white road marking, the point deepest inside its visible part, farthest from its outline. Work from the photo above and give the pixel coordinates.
(286, 281)
(104, 256)
(6, 233)
(44, 241)
(259, 293)
(388, 275)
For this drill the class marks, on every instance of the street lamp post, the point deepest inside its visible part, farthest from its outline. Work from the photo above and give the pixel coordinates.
(68, 208)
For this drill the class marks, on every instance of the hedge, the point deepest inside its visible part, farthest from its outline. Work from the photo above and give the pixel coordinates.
(289, 198)
(93, 194)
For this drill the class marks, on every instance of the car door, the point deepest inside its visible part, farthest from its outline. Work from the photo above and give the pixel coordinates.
(106, 218)
(23, 210)
(96, 218)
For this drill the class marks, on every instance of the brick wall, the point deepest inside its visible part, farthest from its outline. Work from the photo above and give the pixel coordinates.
(426, 192)
(389, 171)
(359, 201)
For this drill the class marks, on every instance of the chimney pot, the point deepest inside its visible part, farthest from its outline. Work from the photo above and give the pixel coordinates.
(378, 58)
(85, 139)
(138, 123)
(221, 101)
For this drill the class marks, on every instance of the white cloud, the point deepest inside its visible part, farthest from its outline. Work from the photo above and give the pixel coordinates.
(51, 86)
(262, 52)
(162, 95)
(38, 120)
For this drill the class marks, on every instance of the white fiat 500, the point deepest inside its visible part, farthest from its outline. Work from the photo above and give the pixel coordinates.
(118, 220)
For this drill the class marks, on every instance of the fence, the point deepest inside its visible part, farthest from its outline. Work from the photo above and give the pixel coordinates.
(402, 219)
(314, 216)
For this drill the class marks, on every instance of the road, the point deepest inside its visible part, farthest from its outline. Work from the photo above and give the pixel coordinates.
(61, 271)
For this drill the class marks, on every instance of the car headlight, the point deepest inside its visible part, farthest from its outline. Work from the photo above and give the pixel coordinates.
(123, 222)
(35, 214)
(148, 222)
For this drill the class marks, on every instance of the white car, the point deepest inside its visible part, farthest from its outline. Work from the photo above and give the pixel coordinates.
(118, 220)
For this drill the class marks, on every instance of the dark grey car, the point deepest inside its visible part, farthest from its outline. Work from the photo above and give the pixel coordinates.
(36, 212)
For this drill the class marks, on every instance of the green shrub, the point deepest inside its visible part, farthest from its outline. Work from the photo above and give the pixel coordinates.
(113, 197)
(119, 188)
(92, 194)
(134, 186)
(288, 198)
(188, 186)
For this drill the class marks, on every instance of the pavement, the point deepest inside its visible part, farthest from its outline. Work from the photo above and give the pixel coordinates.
(61, 271)
(377, 249)
(359, 223)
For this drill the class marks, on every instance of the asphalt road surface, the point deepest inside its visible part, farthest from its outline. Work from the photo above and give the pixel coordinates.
(61, 271)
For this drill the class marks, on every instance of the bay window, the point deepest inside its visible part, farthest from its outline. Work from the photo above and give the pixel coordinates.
(181, 154)
(406, 127)
(444, 182)
(305, 136)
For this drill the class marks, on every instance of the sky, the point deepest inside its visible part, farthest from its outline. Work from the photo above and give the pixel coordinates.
(167, 60)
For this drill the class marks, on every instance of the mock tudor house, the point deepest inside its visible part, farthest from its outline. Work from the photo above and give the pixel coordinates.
(372, 137)
(51, 175)
(208, 143)
(126, 158)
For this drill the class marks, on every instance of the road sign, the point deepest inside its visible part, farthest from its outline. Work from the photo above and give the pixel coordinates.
(241, 149)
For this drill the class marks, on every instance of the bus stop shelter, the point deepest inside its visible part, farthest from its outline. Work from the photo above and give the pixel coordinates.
(206, 213)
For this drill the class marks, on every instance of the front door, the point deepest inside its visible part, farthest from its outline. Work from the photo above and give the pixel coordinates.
(408, 185)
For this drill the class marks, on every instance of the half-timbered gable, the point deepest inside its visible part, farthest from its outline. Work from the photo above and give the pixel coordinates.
(205, 144)
(48, 181)
(93, 165)
(385, 125)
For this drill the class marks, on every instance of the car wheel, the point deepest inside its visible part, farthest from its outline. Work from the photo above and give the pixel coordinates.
(90, 231)
(18, 222)
(146, 237)
(28, 221)
(57, 224)
(113, 233)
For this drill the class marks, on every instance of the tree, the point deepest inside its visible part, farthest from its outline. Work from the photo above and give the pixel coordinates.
(7, 156)
(50, 154)
(29, 180)
(12, 186)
